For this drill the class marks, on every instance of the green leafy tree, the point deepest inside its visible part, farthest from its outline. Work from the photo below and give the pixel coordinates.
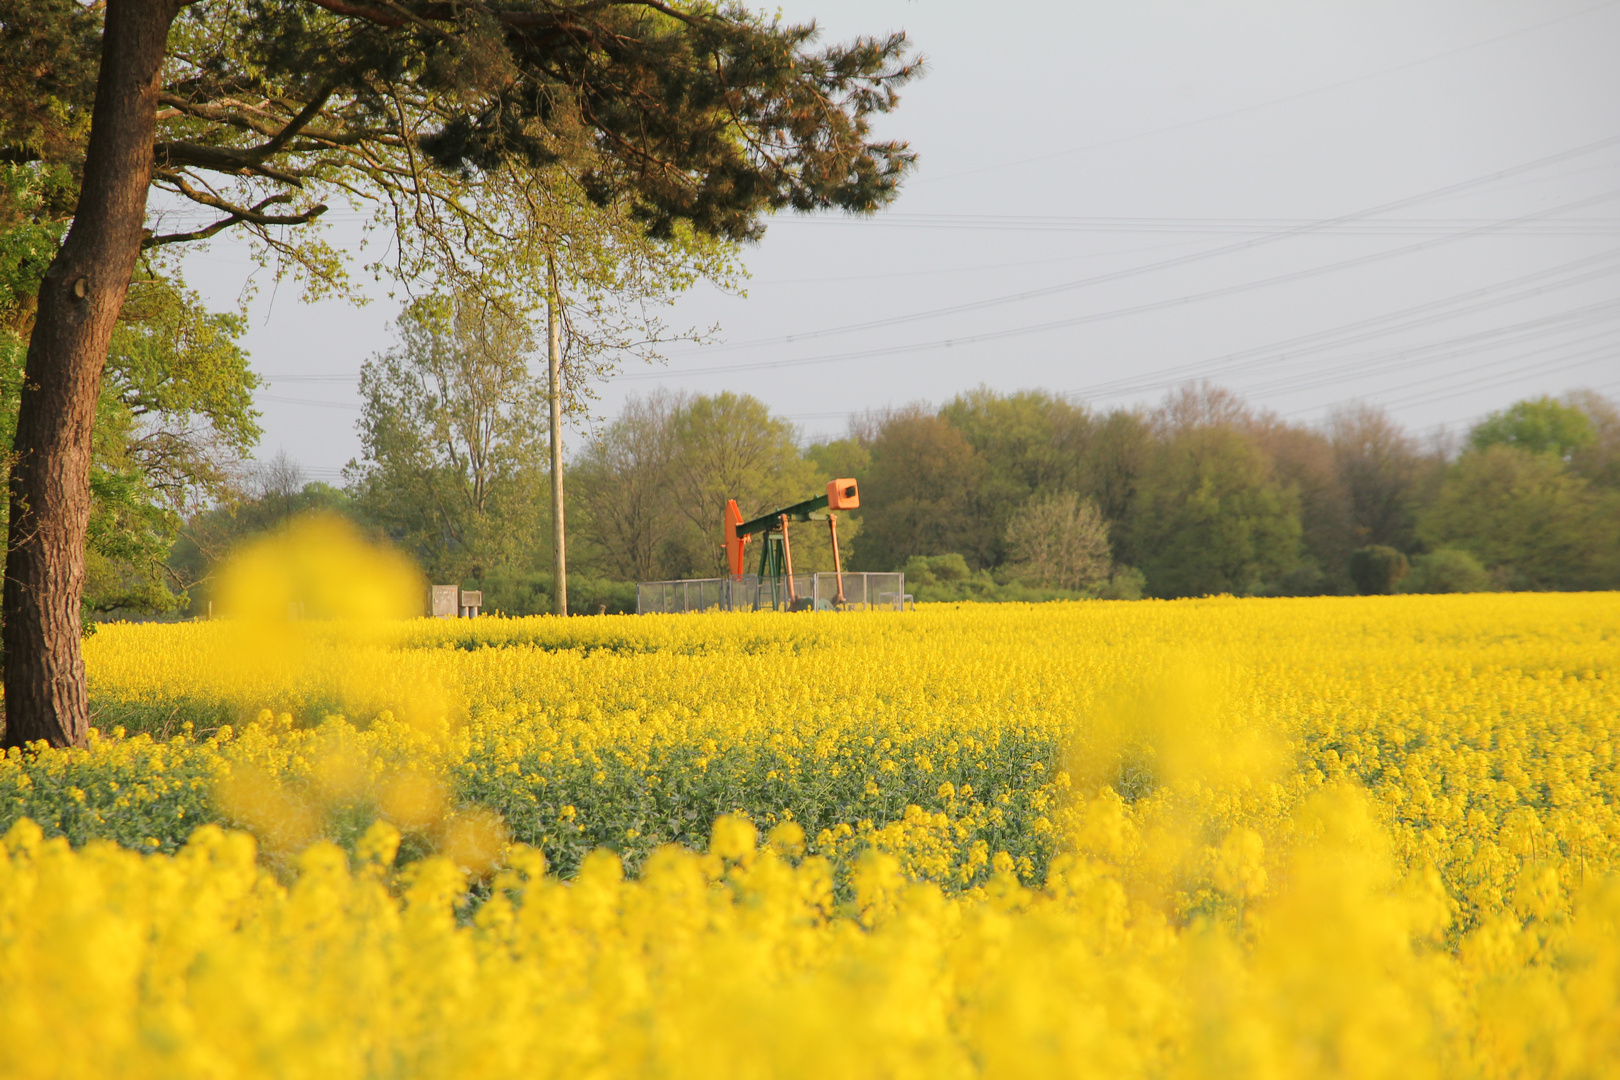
(1060, 541)
(839, 458)
(699, 118)
(624, 500)
(1304, 460)
(266, 497)
(1377, 570)
(174, 422)
(46, 85)
(1382, 473)
(1016, 438)
(452, 462)
(1023, 446)
(918, 497)
(1211, 517)
(1446, 570)
(1598, 460)
(32, 223)
(176, 369)
(1111, 451)
(173, 417)
(1528, 518)
(652, 486)
(729, 446)
(947, 578)
(1539, 425)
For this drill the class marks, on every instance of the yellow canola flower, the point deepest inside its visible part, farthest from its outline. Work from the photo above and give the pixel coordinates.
(204, 964)
(1337, 836)
(317, 567)
(1483, 725)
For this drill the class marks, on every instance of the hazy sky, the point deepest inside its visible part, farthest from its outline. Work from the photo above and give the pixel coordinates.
(1415, 204)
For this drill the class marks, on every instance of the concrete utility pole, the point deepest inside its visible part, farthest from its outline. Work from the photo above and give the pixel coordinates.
(559, 557)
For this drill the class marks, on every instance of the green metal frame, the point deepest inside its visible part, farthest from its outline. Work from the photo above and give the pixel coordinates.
(772, 552)
(772, 564)
(800, 511)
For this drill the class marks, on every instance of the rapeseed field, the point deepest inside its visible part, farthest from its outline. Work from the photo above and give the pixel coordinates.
(1320, 837)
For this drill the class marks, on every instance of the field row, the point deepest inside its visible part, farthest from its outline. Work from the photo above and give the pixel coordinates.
(1482, 728)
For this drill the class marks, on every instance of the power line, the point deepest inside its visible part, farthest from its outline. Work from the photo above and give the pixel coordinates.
(1218, 226)
(1492, 296)
(1353, 370)
(1419, 315)
(1269, 104)
(1591, 356)
(1331, 370)
(974, 268)
(1431, 397)
(1406, 360)
(818, 415)
(278, 399)
(1489, 297)
(1225, 249)
(1397, 363)
(1081, 320)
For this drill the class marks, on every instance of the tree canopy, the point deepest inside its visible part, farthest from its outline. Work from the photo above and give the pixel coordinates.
(174, 423)
(1529, 517)
(698, 117)
(453, 459)
(651, 487)
(1539, 425)
(1211, 517)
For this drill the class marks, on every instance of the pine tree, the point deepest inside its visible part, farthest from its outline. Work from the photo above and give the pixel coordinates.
(690, 117)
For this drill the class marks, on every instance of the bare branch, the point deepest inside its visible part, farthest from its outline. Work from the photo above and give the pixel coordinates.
(295, 125)
(234, 214)
(227, 112)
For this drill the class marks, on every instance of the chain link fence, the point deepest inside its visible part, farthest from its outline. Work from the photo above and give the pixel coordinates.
(810, 592)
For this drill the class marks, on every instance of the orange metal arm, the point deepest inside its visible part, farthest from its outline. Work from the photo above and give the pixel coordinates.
(787, 559)
(734, 543)
(838, 563)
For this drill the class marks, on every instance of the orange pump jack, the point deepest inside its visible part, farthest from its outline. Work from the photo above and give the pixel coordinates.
(776, 555)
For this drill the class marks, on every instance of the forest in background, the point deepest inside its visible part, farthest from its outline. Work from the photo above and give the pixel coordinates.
(1022, 496)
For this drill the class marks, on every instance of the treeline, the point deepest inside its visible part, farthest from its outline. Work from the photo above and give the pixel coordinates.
(454, 470)
(1023, 496)
(1029, 494)
(992, 496)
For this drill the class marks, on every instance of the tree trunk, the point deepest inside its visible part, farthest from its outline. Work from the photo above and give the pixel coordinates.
(79, 302)
(559, 554)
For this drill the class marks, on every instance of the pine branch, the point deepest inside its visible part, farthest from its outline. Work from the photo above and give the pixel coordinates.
(234, 214)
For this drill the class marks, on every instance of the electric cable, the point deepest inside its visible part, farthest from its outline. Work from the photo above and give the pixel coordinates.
(280, 400)
(1081, 320)
(1592, 356)
(1424, 314)
(1217, 226)
(1226, 249)
(1273, 102)
(1406, 360)
(1483, 366)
